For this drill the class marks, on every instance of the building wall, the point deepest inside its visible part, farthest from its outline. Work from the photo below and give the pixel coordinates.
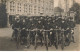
(30, 7)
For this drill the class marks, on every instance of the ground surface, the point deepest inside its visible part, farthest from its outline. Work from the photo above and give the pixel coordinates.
(7, 45)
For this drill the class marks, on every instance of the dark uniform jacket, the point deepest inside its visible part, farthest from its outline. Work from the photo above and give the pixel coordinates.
(16, 24)
(71, 24)
(64, 25)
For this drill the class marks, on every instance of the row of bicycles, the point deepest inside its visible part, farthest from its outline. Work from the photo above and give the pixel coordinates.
(43, 37)
(48, 38)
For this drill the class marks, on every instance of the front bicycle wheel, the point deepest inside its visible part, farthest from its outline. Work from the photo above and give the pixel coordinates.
(47, 42)
(56, 43)
(18, 41)
(67, 41)
(28, 41)
(36, 41)
(62, 42)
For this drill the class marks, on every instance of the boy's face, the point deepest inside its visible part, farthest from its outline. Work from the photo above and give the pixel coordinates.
(17, 20)
(62, 21)
(23, 20)
(69, 19)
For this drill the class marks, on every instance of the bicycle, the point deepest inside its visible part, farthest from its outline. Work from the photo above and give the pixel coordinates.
(62, 39)
(18, 38)
(56, 39)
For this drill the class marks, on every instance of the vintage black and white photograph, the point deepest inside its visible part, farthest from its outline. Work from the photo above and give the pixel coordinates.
(39, 25)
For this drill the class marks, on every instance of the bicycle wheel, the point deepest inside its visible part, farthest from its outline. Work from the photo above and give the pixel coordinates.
(28, 41)
(62, 42)
(67, 41)
(36, 41)
(18, 40)
(47, 42)
(13, 36)
(56, 43)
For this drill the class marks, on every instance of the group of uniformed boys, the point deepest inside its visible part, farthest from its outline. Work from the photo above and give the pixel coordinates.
(45, 23)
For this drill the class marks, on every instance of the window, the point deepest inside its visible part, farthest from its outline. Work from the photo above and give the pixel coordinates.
(39, 1)
(31, 1)
(19, 7)
(10, 9)
(20, 4)
(35, 1)
(39, 9)
(3, 1)
(43, 1)
(12, 6)
(25, 8)
(13, 10)
(34, 12)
